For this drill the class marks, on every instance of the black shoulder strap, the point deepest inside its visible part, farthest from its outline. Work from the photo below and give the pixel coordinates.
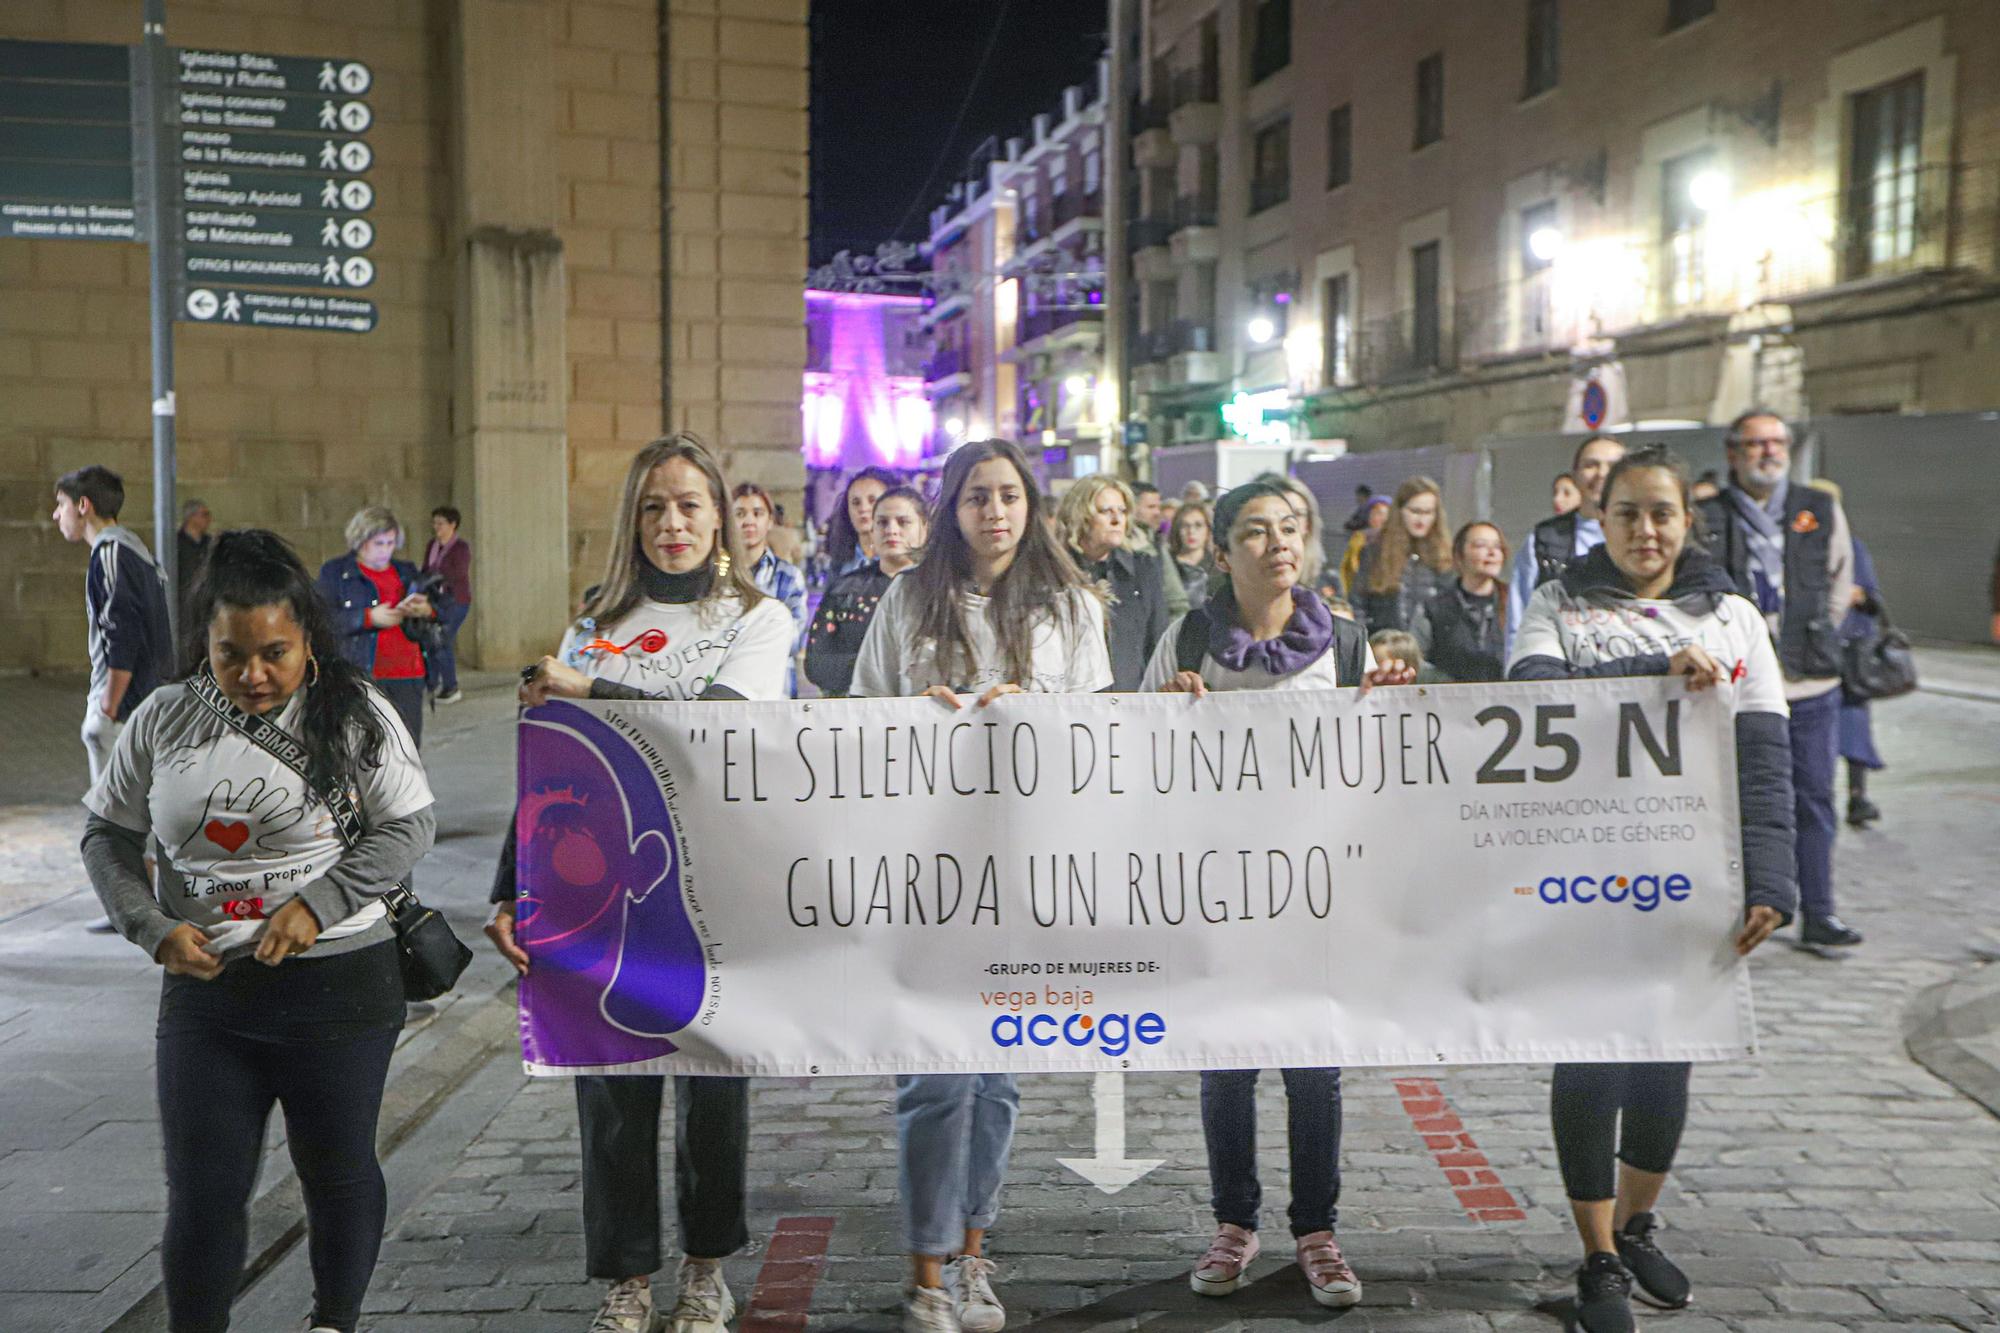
(267, 736)
(1350, 648)
(1191, 643)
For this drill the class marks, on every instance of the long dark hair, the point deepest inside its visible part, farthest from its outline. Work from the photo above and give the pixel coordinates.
(622, 586)
(1036, 583)
(248, 567)
(841, 538)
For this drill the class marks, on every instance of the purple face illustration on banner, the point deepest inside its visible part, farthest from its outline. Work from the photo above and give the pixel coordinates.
(617, 963)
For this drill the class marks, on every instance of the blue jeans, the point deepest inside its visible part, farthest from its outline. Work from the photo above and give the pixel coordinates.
(1229, 1124)
(446, 667)
(953, 1133)
(1815, 755)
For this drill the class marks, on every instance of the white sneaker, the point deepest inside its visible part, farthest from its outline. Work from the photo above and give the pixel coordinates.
(450, 697)
(969, 1279)
(929, 1310)
(704, 1304)
(627, 1308)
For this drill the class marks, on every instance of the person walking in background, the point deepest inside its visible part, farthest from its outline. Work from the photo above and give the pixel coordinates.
(191, 545)
(1791, 554)
(285, 987)
(375, 612)
(1357, 541)
(996, 608)
(449, 557)
(1857, 731)
(1554, 542)
(1405, 566)
(667, 577)
(125, 612)
(1364, 500)
(1262, 628)
(754, 515)
(849, 544)
(1192, 549)
(1092, 519)
(1146, 536)
(1564, 496)
(840, 626)
(1463, 630)
(1651, 602)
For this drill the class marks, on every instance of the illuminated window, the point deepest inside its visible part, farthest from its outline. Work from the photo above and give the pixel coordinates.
(1540, 241)
(1337, 319)
(1684, 229)
(1884, 176)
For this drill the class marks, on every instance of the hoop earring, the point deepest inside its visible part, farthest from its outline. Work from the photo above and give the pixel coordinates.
(312, 665)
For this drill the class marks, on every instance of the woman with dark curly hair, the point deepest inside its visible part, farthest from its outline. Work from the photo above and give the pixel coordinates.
(850, 540)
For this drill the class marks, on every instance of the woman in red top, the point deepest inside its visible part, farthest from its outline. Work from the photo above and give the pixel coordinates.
(369, 594)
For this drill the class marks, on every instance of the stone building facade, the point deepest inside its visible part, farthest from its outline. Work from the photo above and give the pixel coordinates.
(568, 263)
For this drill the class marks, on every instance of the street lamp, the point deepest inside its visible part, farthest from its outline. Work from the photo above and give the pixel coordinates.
(954, 427)
(1545, 243)
(1261, 329)
(1075, 385)
(1708, 190)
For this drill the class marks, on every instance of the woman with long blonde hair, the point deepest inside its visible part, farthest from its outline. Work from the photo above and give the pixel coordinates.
(1409, 560)
(674, 617)
(1095, 520)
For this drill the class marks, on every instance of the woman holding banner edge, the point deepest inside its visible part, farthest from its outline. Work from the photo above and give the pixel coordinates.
(1650, 602)
(669, 581)
(996, 608)
(1264, 628)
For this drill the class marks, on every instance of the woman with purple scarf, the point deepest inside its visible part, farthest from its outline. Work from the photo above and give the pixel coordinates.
(1261, 630)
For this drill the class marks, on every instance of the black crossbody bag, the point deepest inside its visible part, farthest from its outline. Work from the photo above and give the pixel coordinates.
(432, 957)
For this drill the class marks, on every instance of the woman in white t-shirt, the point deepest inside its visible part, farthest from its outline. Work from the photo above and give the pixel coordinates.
(1264, 628)
(282, 983)
(675, 617)
(996, 608)
(1649, 602)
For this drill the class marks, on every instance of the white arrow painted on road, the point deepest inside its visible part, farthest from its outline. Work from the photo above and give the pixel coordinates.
(1110, 1170)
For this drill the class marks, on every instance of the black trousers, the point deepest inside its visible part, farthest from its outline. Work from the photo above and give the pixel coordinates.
(620, 1118)
(1229, 1124)
(1610, 1113)
(408, 697)
(216, 1091)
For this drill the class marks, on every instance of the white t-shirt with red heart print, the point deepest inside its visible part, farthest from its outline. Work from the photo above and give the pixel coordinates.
(241, 829)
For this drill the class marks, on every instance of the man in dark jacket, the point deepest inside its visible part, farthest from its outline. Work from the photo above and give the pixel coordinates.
(1556, 541)
(1788, 550)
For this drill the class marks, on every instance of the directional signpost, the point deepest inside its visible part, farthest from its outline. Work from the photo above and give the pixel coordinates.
(66, 141)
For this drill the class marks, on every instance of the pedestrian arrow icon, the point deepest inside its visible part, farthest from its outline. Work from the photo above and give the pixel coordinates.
(355, 117)
(358, 272)
(201, 303)
(330, 233)
(329, 195)
(355, 155)
(330, 272)
(357, 195)
(327, 76)
(356, 233)
(329, 156)
(232, 307)
(329, 115)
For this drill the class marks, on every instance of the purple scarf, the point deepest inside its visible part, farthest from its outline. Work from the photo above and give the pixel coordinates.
(1306, 636)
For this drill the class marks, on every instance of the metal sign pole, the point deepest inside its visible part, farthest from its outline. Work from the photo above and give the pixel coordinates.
(163, 246)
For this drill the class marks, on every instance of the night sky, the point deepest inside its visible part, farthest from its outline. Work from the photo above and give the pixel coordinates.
(888, 76)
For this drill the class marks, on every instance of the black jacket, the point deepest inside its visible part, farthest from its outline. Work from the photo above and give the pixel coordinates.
(1396, 608)
(840, 625)
(1808, 640)
(1138, 617)
(1465, 636)
(1763, 740)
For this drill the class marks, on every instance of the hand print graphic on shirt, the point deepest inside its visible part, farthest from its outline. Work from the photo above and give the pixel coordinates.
(253, 814)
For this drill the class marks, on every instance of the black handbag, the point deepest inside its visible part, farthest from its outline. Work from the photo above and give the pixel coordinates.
(430, 954)
(1880, 665)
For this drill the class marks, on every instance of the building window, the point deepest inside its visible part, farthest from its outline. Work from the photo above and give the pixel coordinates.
(1430, 99)
(1680, 13)
(1544, 47)
(1271, 166)
(1093, 173)
(1684, 230)
(1337, 320)
(1339, 146)
(1884, 175)
(1540, 240)
(1271, 46)
(1426, 314)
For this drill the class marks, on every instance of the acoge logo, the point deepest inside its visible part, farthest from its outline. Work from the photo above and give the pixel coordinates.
(1111, 1034)
(1643, 892)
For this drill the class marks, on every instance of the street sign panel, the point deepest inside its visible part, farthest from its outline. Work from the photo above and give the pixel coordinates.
(67, 222)
(91, 103)
(251, 151)
(204, 109)
(69, 182)
(263, 189)
(276, 231)
(39, 141)
(72, 62)
(311, 269)
(249, 71)
(311, 312)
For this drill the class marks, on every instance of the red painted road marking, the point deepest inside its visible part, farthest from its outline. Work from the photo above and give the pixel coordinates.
(1478, 1186)
(793, 1262)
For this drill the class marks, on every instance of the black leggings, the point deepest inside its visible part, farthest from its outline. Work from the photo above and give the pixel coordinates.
(216, 1091)
(1584, 1106)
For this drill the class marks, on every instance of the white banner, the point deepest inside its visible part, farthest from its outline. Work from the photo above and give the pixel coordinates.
(1422, 876)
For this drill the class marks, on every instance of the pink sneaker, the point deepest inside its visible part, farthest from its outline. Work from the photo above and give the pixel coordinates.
(1221, 1269)
(1333, 1282)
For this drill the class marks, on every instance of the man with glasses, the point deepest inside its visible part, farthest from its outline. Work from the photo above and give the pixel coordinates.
(1790, 551)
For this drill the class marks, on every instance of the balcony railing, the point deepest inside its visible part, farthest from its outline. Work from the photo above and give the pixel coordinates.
(1041, 323)
(1069, 207)
(1269, 192)
(1149, 115)
(1201, 84)
(1185, 335)
(1145, 233)
(1195, 210)
(944, 363)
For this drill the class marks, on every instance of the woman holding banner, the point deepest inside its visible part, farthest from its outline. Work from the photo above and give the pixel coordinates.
(673, 618)
(1649, 602)
(1263, 628)
(996, 608)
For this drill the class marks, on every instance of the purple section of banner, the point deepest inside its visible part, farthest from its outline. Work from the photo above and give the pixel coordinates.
(617, 963)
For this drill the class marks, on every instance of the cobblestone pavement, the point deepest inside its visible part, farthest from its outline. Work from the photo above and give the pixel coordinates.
(1834, 1185)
